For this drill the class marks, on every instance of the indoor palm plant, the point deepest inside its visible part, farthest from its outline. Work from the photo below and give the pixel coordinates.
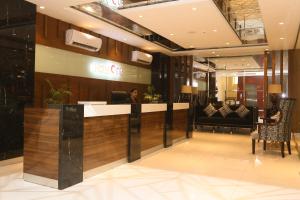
(57, 95)
(150, 96)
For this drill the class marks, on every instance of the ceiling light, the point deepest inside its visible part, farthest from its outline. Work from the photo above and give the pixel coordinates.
(140, 16)
(171, 34)
(191, 46)
(213, 52)
(218, 55)
(194, 9)
(282, 38)
(266, 49)
(281, 23)
(89, 9)
(227, 43)
(42, 7)
(215, 30)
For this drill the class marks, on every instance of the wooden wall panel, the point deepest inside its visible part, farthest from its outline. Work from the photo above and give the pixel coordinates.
(180, 122)
(83, 89)
(41, 140)
(293, 90)
(152, 129)
(51, 32)
(105, 140)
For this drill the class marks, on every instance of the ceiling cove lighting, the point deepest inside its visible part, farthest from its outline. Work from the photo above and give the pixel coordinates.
(282, 38)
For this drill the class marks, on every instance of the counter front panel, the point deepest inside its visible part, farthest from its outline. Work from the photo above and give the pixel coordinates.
(105, 140)
(152, 129)
(41, 140)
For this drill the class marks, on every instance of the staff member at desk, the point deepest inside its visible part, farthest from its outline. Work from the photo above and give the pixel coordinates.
(134, 95)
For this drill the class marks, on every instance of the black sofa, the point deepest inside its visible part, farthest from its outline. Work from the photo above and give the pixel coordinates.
(232, 120)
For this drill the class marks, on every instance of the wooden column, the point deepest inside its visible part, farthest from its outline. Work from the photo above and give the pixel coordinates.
(281, 69)
(273, 67)
(265, 82)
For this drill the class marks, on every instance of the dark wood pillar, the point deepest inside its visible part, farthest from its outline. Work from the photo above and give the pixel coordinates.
(281, 69)
(265, 82)
(273, 67)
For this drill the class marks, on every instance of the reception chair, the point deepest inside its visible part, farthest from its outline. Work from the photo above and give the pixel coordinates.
(279, 131)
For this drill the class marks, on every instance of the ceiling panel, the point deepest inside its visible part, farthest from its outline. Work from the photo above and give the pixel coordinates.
(189, 23)
(276, 11)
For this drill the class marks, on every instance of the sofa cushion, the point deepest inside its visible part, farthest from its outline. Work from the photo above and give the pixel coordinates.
(210, 110)
(242, 111)
(225, 110)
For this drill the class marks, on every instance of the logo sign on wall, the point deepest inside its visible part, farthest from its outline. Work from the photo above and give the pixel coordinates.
(106, 69)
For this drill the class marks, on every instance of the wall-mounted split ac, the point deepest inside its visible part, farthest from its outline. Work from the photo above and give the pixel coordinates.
(140, 57)
(83, 40)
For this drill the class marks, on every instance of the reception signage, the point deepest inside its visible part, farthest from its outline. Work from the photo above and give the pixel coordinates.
(58, 61)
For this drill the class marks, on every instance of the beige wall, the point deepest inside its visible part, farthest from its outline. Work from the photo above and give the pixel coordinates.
(57, 61)
(225, 84)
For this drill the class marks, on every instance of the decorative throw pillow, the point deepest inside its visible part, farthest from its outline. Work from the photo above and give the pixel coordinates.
(242, 111)
(276, 117)
(225, 110)
(210, 110)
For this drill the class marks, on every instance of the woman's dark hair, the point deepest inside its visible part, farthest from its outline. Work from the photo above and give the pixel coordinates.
(132, 90)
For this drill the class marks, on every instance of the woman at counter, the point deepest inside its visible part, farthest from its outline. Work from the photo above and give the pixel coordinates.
(134, 95)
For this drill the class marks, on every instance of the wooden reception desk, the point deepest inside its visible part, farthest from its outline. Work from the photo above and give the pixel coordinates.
(63, 145)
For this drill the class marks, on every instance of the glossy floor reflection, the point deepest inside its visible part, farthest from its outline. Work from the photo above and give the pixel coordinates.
(210, 166)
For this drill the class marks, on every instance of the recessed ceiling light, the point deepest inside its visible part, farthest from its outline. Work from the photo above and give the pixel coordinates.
(191, 46)
(214, 30)
(266, 49)
(218, 55)
(194, 8)
(281, 23)
(171, 34)
(213, 52)
(227, 43)
(141, 16)
(282, 38)
(42, 7)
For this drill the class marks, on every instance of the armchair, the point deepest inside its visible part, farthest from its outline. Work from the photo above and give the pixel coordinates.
(279, 131)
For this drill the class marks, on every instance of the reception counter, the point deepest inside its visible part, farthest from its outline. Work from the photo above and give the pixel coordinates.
(65, 144)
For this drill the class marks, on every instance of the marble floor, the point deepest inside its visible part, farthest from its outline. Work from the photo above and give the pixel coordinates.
(207, 167)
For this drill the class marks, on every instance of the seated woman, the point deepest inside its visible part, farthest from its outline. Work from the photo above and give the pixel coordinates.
(134, 95)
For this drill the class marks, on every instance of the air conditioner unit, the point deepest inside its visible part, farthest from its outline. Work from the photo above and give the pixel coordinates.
(141, 57)
(83, 40)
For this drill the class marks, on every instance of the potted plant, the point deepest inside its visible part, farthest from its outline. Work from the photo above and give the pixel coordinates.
(57, 96)
(150, 96)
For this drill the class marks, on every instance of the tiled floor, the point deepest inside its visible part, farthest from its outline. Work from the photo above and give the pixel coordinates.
(210, 166)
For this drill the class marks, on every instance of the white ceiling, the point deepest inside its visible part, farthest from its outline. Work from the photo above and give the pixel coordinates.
(191, 28)
(236, 63)
(179, 18)
(276, 11)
